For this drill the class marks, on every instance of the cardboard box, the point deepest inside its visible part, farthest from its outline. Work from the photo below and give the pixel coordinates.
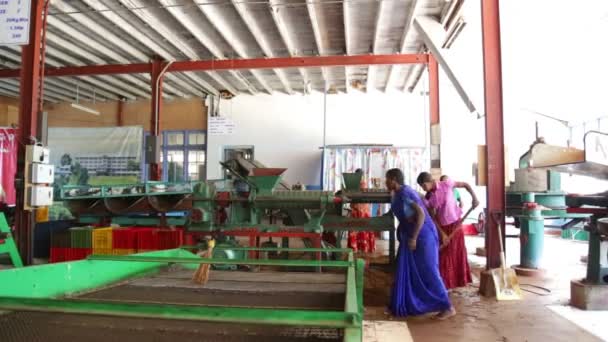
(481, 176)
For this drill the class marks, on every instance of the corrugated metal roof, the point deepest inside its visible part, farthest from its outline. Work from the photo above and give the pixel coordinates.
(94, 32)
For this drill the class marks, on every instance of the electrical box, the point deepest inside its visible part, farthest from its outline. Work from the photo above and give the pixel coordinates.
(40, 196)
(42, 173)
(37, 154)
(153, 145)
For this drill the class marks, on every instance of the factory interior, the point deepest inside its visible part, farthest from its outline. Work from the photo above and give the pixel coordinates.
(303, 171)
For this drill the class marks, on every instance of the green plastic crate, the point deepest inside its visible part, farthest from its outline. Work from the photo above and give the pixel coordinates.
(575, 234)
(81, 237)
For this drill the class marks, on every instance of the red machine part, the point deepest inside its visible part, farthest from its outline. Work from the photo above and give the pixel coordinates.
(222, 199)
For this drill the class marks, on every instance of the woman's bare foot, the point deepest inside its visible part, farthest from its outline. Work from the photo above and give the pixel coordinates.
(443, 315)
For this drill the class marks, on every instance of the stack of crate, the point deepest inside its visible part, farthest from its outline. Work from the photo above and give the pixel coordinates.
(102, 240)
(79, 242)
(124, 241)
(60, 244)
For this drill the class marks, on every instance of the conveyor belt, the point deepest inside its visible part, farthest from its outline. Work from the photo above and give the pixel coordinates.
(173, 286)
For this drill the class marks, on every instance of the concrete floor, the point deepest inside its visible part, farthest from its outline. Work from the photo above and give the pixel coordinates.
(538, 317)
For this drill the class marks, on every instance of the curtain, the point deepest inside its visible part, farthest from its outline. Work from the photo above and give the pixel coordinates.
(374, 161)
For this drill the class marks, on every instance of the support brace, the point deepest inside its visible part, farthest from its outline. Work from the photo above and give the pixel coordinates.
(432, 33)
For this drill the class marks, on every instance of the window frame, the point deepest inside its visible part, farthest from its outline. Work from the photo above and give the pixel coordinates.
(184, 148)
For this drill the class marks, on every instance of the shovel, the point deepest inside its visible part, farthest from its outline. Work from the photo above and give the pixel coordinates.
(506, 284)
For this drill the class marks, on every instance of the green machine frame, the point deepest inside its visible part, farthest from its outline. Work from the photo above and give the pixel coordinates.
(7, 243)
(45, 288)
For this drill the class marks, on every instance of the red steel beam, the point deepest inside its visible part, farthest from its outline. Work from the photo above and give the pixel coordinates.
(120, 113)
(29, 94)
(156, 79)
(234, 64)
(492, 67)
(433, 90)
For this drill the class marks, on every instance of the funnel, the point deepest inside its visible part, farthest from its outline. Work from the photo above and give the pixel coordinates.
(352, 181)
(265, 179)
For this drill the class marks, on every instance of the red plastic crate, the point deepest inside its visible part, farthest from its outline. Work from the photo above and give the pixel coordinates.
(78, 253)
(58, 254)
(150, 239)
(124, 238)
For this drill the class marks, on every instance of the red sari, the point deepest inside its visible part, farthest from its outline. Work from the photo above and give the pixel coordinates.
(453, 264)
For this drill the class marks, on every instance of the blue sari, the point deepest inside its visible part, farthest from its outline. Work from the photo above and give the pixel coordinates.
(418, 287)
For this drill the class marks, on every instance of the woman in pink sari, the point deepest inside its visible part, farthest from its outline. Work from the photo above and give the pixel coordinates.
(453, 262)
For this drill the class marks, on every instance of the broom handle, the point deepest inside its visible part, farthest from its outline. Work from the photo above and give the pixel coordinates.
(503, 263)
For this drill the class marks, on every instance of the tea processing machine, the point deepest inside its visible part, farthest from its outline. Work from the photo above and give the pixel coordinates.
(537, 195)
(252, 207)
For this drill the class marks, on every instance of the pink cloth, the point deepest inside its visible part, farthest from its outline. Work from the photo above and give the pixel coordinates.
(443, 201)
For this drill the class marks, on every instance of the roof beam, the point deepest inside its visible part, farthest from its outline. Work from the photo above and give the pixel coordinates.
(347, 35)
(103, 85)
(102, 49)
(14, 88)
(59, 41)
(202, 37)
(235, 64)
(47, 91)
(136, 7)
(129, 91)
(406, 30)
(258, 35)
(120, 43)
(372, 70)
(284, 33)
(228, 34)
(66, 84)
(316, 29)
(433, 35)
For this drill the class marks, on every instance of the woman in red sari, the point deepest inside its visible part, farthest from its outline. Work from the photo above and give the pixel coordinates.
(453, 262)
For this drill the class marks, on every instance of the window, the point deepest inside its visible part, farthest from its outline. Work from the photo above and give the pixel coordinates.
(174, 138)
(183, 156)
(196, 138)
(196, 165)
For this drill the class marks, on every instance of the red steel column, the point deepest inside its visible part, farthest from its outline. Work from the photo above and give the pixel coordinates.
(494, 129)
(434, 112)
(119, 113)
(156, 104)
(434, 90)
(29, 108)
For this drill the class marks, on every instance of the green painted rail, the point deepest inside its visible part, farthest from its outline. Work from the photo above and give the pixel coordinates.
(327, 319)
(277, 249)
(255, 262)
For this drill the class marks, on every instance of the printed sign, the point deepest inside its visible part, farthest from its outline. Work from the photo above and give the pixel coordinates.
(219, 125)
(14, 22)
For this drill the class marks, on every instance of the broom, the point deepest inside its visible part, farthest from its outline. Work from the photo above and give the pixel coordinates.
(201, 276)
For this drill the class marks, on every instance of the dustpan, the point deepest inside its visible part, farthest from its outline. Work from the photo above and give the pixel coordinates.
(506, 284)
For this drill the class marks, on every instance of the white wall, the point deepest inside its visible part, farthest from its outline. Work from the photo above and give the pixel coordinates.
(287, 131)
(530, 82)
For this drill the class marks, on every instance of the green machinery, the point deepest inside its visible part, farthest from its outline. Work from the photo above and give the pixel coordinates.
(7, 243)
(253, 207)
(538, 173)
(63, 288)
(536, 196)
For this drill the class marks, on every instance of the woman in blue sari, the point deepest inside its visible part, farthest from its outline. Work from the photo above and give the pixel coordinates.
(418, 288)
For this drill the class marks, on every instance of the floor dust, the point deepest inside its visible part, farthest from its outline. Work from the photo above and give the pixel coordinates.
(482, 319)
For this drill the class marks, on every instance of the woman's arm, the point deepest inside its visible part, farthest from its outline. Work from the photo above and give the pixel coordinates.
(469, 189)
(419, 223)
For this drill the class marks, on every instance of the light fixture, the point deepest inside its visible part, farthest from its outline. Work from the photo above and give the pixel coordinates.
(78, 106)
(85, 109)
